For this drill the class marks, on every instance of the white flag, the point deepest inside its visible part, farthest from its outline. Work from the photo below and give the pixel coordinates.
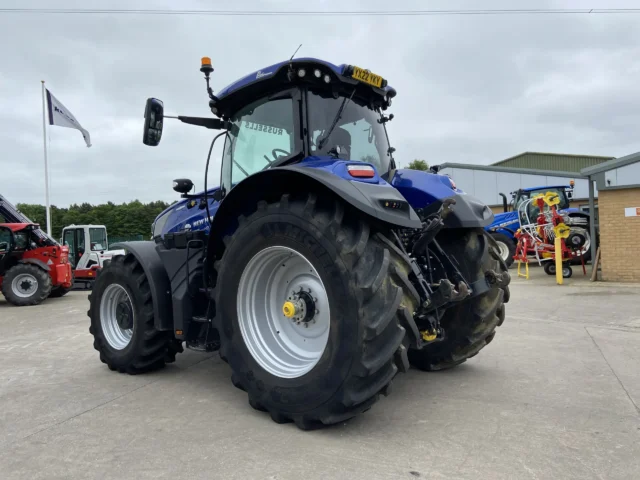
(60, 116)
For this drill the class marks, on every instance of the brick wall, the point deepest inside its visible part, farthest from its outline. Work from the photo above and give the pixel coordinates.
(619, 235)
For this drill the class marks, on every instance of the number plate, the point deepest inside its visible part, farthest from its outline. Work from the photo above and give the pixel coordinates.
(367, 77)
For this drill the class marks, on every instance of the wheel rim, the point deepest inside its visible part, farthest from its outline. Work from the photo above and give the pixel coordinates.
(285, 329)
(116, 316)
(24, 285)
(503, 249)
(587, 241)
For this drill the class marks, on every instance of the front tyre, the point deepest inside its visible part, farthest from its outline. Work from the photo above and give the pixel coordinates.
(506, 247)
(26, 284)
(122, 321)
(471, 324)
(309, 303)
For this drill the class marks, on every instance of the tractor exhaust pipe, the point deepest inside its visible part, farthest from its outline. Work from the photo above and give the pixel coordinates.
(505, 205)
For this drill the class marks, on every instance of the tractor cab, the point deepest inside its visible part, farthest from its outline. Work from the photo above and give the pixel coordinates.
(565, 193)
(7, 244)
(294, 112)
(15, 239)
(88, 249)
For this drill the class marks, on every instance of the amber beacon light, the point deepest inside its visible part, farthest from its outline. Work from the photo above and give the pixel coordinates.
(205, 65)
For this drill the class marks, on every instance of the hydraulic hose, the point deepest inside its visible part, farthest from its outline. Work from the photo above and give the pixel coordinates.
(206, 174)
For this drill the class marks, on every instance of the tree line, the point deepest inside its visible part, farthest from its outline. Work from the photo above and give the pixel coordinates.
(123, 220)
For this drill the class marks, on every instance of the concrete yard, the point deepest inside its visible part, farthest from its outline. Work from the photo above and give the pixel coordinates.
(556, 395)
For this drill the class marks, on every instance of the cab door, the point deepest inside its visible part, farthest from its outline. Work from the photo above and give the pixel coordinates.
(74, 239)
(6, 246)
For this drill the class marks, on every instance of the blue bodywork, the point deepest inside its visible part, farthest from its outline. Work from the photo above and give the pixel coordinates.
(419, 188)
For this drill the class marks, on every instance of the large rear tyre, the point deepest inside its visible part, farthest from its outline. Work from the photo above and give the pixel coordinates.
(324, 354)
(470, 325)
(506, 247)
(25, 284)
(122, 322)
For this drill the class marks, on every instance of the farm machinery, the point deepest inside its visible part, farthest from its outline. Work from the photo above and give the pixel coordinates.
(505, 225)
(88, 251)
(544, 234)
(316, 268)
(33, 266)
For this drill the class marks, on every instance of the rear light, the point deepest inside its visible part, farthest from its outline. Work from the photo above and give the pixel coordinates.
(453, 184)
(361, 171)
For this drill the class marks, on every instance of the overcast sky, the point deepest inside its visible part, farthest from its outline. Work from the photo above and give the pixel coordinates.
(472, 89)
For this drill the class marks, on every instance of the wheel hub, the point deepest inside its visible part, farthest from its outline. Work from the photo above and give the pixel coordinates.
(24, 285)
(124, 315)
(301, 307)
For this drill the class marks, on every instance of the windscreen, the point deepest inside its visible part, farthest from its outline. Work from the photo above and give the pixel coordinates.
(358, 133)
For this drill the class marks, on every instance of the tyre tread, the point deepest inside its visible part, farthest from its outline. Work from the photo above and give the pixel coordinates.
(383, 299)
(157, 347)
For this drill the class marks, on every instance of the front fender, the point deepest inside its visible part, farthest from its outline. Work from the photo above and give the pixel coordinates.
(35, 261)
(468, 212)
(147, 256)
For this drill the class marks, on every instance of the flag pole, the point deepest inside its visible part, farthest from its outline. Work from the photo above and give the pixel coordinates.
(46, 166)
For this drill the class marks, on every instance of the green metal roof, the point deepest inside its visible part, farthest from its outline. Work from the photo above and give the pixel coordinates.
(552, 161)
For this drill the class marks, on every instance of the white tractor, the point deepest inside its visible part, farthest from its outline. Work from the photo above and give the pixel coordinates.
(88, 250)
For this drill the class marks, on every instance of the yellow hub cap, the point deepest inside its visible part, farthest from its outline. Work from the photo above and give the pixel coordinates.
(289, 309)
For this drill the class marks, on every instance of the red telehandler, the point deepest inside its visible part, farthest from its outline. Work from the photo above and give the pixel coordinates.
(33, 266)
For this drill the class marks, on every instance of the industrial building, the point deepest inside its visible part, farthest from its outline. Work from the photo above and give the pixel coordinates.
(528, 169)
(618, 184)
(615, 195)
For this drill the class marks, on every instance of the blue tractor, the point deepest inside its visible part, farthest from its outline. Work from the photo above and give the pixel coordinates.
(505, 225)
(317, 268)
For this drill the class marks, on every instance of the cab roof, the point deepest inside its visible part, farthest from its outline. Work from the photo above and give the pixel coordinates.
(530, 189)
(276, 77)
(17, 227)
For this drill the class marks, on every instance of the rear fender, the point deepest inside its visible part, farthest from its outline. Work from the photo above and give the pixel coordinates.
(147, 256)
(370, 199)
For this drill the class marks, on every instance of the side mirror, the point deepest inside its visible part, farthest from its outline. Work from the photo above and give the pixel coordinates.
(570, 194)
(153, 122)
(182, 185)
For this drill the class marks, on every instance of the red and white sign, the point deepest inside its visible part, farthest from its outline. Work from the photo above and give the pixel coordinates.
(632, 212)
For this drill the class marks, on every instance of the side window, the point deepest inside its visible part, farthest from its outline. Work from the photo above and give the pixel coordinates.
(265, 130)
(22, 240)
(5, 240)
(519, 200)
(98, 239)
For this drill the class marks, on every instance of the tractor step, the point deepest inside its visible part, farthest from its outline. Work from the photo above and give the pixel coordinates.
(199, 319)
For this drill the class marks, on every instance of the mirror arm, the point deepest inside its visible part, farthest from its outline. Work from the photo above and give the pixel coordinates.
(211, 123)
